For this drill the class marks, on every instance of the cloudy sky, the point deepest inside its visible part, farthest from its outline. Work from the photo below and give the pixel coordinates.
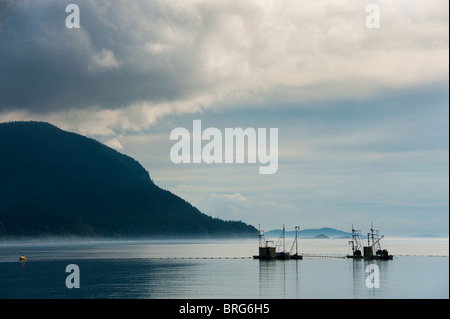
(362, 113)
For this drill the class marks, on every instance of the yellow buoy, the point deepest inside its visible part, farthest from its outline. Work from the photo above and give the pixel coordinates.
(22, 258)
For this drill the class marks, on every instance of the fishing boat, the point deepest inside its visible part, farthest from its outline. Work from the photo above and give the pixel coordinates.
(373, 245)
(268, 251)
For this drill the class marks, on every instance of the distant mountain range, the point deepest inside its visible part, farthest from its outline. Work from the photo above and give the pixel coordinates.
(327, 232)
(324, 232)
(54, 182)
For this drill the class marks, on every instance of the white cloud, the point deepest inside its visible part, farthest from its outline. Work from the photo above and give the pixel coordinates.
(235, 206)
(98, 121)
(115, 143)
(235, 197)
(104, 59)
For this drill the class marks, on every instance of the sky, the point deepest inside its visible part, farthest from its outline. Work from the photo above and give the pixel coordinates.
(362, 113)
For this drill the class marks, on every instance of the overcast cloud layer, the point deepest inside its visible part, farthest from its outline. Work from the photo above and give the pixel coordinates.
(362, 113)
(132, 62)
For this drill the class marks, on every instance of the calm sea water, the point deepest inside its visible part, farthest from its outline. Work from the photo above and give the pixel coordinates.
(220, 269)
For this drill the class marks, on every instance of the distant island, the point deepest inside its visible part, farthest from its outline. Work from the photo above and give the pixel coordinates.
(325, 232)
(58, 183)
(427, 236)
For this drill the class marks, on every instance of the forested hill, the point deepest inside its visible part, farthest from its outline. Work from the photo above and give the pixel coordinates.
(54, 182)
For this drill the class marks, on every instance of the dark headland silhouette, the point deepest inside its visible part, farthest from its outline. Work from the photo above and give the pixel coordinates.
(57, 183)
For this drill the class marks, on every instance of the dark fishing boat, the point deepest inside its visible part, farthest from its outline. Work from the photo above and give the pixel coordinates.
(373, 245)
(268, 251)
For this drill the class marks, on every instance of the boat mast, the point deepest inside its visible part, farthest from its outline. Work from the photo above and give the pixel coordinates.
(261, 237)
(353, 240)
(376, 238)
(372, 234)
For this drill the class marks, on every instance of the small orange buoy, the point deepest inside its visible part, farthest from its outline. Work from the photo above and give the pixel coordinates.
(22, 258)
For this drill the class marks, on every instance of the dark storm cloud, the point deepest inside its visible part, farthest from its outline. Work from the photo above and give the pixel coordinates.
(47, 67)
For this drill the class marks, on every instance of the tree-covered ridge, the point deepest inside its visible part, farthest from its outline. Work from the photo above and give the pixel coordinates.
(54, 182)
